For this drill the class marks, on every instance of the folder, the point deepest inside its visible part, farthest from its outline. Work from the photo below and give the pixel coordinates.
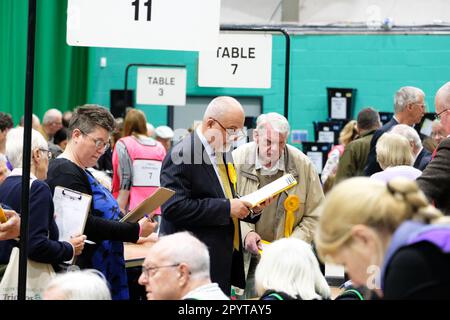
(149, 205)
(71, 211)
(272, 189)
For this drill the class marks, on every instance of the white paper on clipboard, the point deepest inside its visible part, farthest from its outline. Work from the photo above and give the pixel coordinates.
(71, 211)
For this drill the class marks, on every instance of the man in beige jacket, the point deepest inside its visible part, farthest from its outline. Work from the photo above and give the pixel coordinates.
(257, 164)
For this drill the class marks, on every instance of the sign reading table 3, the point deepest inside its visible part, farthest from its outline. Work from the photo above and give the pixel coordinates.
(239, 61)
(161, 86)
(144, 24)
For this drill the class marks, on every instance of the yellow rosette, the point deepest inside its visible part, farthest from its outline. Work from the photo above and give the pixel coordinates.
(291, 204)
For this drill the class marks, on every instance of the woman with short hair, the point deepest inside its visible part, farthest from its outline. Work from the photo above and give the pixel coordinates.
(89, 132)
(395, 158)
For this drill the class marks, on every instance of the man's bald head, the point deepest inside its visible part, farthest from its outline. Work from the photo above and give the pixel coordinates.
(223, 119)
(442, 102)
(52, 122)
(219, 107)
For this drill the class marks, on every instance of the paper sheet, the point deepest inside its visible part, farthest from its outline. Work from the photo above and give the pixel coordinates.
(71, 210)
(285, 182)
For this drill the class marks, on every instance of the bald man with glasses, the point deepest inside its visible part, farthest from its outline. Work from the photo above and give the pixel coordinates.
(435, 179)
(205, 202)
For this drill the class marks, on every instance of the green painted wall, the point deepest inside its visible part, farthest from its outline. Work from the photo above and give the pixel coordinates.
(376, 65)
(101, 80)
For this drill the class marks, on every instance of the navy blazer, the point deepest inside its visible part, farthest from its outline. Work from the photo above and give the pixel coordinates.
(372, 165)
(43, 232)
(422, 159)
(200, 207)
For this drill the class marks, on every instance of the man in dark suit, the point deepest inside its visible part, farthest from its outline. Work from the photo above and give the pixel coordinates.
(205, 200)
(409, 108)
(422, 156)
(435, 179)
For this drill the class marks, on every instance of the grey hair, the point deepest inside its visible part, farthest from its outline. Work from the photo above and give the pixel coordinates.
(219, 106)
(184, 247)
(393, 150)
(409, 133)
(289, 265)
(277, 121)
(14, 145)
(51, 115)
(35, 121)
(87, 117)
(405, 96)
(87, 284)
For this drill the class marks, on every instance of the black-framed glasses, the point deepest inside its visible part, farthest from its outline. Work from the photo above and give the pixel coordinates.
(238, 133)
(438, 116)
(150, 271)
(99, 143)
(47, 152)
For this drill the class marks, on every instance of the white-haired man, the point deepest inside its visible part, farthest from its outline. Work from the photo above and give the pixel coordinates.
(177, 268)
(51, 122)
(409, 108)
(421, 156)
(205, 201)
(435, 179)
(260, 162)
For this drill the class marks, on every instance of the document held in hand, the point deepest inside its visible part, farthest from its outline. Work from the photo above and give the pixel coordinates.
(71, 210)
(272, 189)
(149, 205)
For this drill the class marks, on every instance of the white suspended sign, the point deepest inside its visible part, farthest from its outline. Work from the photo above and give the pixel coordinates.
(144, 24)
(239, 61)
(161, 86)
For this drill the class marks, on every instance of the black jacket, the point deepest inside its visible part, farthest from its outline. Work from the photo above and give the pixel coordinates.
(435, 179)
(200, 207)
(422, 159)
(372, 165)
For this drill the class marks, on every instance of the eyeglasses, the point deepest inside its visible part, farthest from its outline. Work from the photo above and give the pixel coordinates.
(99, 143)
(237, 133)
(438, 116)
(150, 271)
(49, 154)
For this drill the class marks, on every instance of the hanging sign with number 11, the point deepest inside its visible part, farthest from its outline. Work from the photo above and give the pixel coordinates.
(191, 25)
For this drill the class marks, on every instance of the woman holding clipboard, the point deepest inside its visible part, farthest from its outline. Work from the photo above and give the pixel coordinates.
(89, 133)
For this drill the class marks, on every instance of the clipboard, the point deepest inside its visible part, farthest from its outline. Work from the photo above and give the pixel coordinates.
(71, 211)
(272, 189)
(149, 205)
